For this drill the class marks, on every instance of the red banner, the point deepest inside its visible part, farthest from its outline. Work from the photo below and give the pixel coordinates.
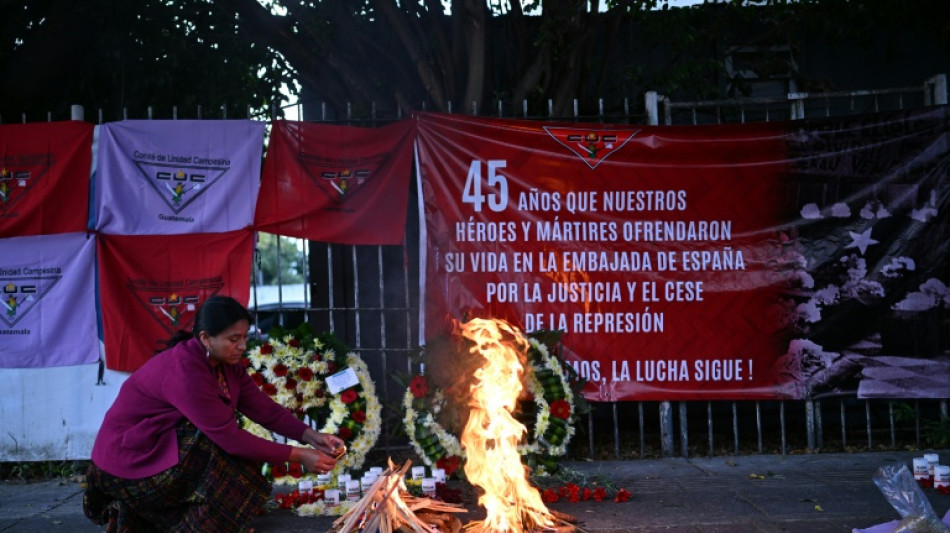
(648, 247)
(336, 184)
(44, 178)
(152, 285)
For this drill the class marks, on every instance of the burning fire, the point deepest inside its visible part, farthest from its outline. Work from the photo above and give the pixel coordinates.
(492, 434)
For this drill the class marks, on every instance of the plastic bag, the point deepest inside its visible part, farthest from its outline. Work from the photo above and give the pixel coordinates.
(902, 492)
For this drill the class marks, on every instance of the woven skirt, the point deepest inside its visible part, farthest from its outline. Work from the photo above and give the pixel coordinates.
(208, 491)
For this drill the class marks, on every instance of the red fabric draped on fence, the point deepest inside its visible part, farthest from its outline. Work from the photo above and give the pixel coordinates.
(151, 286)
(337, 184)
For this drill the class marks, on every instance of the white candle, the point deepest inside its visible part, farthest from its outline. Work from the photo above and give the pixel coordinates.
(428, 487)
(921, 468)
(323, 480)
(378, 470)
(942, 477)
(418, 472)
(353, 490)
(305, 487)
(439, 474)
(331, 497)
(932, 461)
(341, 481)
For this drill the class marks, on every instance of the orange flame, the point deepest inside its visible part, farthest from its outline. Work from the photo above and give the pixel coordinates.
(492, 434)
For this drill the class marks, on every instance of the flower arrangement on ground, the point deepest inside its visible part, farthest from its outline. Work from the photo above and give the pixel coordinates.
(548, 411)
(293, 367)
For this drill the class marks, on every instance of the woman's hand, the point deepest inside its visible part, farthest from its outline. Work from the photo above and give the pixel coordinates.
(313, 460)
(325, 442)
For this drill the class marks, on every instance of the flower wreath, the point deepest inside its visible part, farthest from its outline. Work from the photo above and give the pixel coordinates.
(292, 368)
(550, 429)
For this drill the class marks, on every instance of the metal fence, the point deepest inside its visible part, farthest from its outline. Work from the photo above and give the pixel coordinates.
(368, 296)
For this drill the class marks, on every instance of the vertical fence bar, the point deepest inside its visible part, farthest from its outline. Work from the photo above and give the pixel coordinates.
(77, 112)
(735, 427)
(867, 416)
(384, 348)
(844, 428)
(890, 419)
(643, 438)
(758, 423)
(781, 416)
(684, 430)
(358, 334)
(616, 431)
(590, 435)
(810, 423)
(524, 108)
(709, 427)
(666, 428)
(819, 427)
(917, 421)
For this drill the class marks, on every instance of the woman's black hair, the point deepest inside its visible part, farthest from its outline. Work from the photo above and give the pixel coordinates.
(215, 315)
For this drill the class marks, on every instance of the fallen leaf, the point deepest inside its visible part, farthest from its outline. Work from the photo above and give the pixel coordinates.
(755, 476)
(819, 509)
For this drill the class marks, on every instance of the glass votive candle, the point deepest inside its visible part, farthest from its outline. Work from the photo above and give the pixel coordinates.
(378, 470)
(418, 472)
(439, 475)
(353, 490)
(367, 481)
(331, 497)
(922, 472)
(932, 461)
(341, 481)
(428, 487)
(323, 480)
(305, 486)
(942, 478)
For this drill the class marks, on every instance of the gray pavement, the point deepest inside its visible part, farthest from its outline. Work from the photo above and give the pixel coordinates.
(813, 493)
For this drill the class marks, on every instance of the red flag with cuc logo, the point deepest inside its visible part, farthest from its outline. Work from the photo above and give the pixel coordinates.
(44, 178)
(152, 286)
(337, 184)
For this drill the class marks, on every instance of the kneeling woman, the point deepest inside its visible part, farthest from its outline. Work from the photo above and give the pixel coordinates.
(170, 455)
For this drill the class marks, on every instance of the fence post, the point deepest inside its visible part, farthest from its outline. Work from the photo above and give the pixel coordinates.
(810, 423)
(797, 105)
(666, 428)
(653, 111)
(77, 112)
(938, 93)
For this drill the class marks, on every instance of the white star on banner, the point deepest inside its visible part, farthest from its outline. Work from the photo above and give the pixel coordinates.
(861, 241)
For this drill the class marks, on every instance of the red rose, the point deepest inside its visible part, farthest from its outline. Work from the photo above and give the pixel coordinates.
(563, 492)
(600, 493)
(290, 384)
(331, 366)
(585, 494)
(574, 493)
(266, 349)
(295, 470)
(280, 370)
(246, 362)
(269, 388)
(257, 378)
(419, 386)
(622, 496)
(449, 463)
(344, 433)
(294, 342)
(305, 373)
(349, 396)
(279, 470)
(358, 416)
(561, 409)
(549, 496)
(318, 356)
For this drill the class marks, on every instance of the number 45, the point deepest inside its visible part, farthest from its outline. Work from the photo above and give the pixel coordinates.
(473, 186)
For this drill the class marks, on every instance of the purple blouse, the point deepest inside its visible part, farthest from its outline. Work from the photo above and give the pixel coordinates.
(138, 439)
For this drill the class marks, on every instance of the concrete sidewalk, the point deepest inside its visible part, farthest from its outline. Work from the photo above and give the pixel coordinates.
(813, 493)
